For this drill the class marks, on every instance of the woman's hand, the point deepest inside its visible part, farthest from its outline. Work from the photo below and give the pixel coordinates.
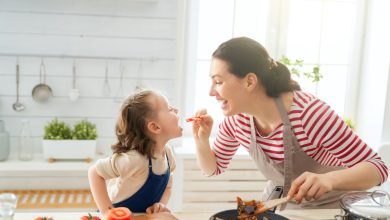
(310, 186)
(201, 127)
(157, 207)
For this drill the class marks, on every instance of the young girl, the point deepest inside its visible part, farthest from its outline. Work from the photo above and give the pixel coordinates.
(140, 169)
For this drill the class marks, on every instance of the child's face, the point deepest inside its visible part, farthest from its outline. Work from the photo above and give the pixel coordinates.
(167, 118)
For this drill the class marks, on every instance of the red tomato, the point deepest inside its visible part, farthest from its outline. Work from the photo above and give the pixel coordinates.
(90, 217)
(44, 218)
(119, 213)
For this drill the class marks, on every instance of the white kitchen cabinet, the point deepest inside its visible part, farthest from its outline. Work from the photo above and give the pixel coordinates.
(220, 192)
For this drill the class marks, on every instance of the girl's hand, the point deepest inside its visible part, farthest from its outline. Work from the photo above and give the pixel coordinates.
(157, 207)
(310, 186)
(201, 127)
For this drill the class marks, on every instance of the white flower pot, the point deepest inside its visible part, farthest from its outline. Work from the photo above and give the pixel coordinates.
(69, 149)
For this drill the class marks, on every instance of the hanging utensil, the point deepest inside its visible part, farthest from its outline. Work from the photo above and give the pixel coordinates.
(106, 85)
(119, 94)
(74, 92)
(17, 106)
(138, 85)
(42, 92)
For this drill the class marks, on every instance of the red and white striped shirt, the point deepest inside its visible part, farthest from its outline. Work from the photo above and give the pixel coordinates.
(321, 133)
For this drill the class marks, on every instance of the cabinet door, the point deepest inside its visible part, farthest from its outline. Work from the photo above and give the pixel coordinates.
(216, 193)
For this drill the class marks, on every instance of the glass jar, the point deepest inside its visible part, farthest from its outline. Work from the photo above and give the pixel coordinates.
(4, 142)
(26, 147)
(8, 203)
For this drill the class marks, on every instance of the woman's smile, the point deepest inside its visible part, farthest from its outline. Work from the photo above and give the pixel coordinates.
(223, 103)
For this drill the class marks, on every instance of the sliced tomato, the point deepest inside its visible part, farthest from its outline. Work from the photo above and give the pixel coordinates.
(44, 218)
(189, 119)
(192, 119)
(119, 213)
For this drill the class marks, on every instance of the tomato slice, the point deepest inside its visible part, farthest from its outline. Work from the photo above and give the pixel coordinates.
(119, 213)
(192, 119)
(189, 119)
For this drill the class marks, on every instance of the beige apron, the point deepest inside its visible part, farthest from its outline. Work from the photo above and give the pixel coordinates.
(296, 161)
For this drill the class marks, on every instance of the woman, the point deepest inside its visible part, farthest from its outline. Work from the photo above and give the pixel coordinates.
(296, 140)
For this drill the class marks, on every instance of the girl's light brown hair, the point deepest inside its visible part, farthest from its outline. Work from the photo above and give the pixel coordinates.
(131, 130)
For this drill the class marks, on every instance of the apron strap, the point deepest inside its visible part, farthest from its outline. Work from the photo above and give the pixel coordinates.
(282, 111)
(150, 162)
(166, 155)
(253, 132)
(288, 147)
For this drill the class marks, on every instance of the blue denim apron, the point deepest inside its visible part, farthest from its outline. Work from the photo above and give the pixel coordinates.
(150, 193)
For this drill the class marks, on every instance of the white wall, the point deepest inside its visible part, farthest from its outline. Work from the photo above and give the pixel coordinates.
(386, 121)
(140, 31)
(375, 75)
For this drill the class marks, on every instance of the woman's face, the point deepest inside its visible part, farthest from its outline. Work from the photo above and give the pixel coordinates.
(228, 89)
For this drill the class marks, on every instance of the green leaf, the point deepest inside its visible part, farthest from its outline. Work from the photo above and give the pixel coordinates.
(299, 62)
(285, 60)
(349, 123)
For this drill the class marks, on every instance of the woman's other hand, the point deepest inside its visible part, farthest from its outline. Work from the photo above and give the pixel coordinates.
(157, 207)
(201, 127)
(310, 186)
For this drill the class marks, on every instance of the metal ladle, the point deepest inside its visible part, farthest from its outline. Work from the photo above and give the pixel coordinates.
(17, 106)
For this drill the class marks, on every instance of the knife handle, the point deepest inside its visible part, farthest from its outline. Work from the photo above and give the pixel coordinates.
(276, 193)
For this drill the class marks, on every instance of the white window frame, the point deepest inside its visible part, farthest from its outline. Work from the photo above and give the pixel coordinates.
(276, 45)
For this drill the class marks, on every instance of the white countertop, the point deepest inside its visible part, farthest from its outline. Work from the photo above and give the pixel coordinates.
(309, 214)
(38, 164)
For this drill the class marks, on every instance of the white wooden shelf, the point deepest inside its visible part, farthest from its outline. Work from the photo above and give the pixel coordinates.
(40, 174)
(14, 166)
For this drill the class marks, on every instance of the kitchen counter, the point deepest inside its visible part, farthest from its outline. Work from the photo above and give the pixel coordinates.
(312, 214)
(40, 174)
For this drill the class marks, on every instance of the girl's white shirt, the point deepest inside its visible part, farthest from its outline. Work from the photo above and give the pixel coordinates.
(127, 172)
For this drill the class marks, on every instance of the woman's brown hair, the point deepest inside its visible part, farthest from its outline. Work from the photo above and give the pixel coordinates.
(245, 55)
(131, 130)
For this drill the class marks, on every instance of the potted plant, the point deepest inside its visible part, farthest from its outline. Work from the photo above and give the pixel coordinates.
(62, 142)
